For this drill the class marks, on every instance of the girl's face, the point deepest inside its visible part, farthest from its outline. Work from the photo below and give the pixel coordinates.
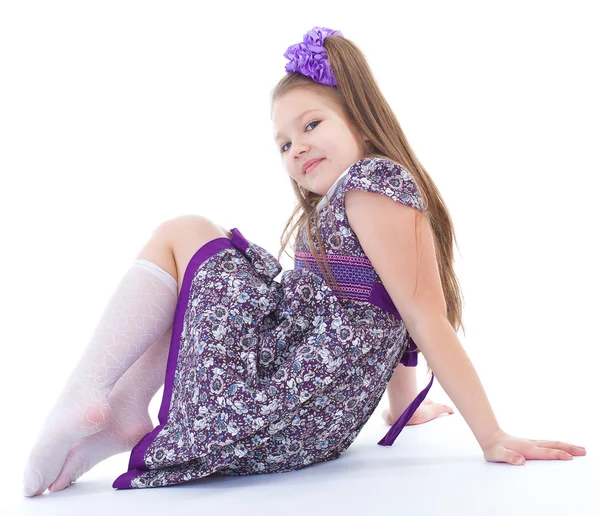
(320, 133)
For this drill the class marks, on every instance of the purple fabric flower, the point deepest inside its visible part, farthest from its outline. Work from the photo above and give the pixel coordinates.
(310, 57)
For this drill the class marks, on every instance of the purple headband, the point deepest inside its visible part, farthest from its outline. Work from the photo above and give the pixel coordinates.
(310, 58)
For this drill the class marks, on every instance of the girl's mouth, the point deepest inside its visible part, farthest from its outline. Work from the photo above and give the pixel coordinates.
(313, 166)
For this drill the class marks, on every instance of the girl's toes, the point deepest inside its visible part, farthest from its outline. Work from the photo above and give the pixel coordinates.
(32, 481)
(63, 480)
(60, 483)
(72, 469)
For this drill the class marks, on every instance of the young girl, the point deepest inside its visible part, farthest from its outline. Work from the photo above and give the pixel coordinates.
(267, 376)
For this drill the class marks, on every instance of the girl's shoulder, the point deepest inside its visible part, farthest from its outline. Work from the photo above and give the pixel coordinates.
(379, 174)
(378, 165)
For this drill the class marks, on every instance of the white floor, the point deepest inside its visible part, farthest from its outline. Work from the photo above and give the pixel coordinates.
(432, 469)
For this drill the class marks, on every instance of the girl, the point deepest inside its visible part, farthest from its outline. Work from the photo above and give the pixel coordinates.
(267, 376)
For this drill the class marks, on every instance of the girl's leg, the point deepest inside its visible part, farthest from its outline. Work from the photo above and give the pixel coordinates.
(140, 310)
(173, 245)
(129, 420)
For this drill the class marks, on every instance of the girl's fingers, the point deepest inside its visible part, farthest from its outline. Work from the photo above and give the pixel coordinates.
(548, 454)
(571, 448)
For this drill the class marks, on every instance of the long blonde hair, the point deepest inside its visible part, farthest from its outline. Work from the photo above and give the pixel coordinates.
(376, 128)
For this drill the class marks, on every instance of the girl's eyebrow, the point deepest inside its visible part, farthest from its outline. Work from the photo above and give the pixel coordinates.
(297, 118)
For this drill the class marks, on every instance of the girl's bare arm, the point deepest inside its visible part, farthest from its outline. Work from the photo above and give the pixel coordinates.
(399, 243)
(402, 389)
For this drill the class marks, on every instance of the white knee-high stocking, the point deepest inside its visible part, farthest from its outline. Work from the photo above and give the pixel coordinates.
(129, 419)
(139, 312)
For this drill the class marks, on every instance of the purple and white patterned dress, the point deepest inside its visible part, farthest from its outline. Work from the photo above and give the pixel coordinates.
(267, 376)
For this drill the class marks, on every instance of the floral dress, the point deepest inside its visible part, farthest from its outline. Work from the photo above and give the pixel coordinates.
(267, 376)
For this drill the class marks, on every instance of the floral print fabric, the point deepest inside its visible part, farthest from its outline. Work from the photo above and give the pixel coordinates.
(270, 376)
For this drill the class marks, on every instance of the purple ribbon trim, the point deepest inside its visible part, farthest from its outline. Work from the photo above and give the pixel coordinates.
(397, 427)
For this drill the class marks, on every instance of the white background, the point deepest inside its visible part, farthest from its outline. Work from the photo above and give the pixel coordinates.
(116, 116)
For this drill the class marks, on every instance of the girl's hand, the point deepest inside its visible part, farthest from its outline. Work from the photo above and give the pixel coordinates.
(502, 447)
(427, 411)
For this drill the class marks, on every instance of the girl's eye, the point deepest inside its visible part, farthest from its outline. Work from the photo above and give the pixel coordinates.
(310, 123)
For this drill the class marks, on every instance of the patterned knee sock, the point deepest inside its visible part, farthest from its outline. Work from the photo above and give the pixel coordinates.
(129, 419)
(138, 313)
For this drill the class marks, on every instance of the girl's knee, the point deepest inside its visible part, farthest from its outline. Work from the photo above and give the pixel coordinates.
(178, 227)
(191, 229)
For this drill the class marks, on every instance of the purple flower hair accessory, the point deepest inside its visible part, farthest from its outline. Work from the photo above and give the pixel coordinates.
(310, 58)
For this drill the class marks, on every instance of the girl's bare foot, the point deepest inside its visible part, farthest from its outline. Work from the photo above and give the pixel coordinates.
(427, 411)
